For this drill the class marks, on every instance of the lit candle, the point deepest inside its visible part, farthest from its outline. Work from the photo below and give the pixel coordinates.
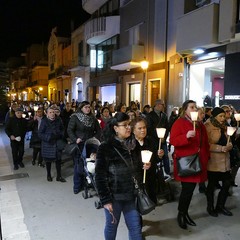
(194, 117)
(161, 133)
(23, 115)
(230, 132)
(237, 117)
(99, 121)
(146, 156)
(113, 114)
(35, 108)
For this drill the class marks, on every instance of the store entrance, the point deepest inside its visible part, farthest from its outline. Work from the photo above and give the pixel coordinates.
(206, 84)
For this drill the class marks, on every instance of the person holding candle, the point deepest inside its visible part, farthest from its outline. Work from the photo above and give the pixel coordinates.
(186, 142)
(114, 178)
(231, 120)
(145, 142)
(158, 119)
(219, 162)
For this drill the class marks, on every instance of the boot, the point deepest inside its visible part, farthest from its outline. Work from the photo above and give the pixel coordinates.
(223, 211)
(189, 221)
(220, 208)
(211, 211)
(181, 218)
(210, 204)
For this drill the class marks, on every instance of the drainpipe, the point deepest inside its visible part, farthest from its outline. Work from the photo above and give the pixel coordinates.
(166, 63)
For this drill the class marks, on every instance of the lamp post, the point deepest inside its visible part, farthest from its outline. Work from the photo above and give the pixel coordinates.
(144, 66)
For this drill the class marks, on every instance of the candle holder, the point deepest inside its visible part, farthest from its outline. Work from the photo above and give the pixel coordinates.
(35, 108)
(161, 133)
(237, 117)
(24, 115)
(146, 156)
(230, 132)
(194, 117)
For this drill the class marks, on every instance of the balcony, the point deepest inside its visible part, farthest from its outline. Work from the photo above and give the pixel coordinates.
(202, 32)
(91, 6)
(128, 57)
(101, 29)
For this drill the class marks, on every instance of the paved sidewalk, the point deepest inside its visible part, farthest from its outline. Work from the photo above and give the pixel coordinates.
(32, 208)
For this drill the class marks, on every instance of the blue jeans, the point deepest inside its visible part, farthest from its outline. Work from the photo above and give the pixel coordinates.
(165, 159)
(132, 220)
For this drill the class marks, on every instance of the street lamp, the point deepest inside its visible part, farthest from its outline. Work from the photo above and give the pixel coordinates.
(144, 65)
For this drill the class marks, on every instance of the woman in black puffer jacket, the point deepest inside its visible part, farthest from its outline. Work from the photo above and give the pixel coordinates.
(114, 178)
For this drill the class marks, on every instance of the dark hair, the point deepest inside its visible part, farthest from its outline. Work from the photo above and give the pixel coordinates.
(109, 132)
(104, 109)
(82, 104)
(185, 106)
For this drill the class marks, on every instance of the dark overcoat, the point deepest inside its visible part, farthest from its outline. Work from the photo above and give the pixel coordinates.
(49, 132)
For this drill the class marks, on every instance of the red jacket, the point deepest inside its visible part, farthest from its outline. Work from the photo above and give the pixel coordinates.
(184, 146)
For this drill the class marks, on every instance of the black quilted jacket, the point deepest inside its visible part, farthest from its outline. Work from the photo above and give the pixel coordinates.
(112, 176)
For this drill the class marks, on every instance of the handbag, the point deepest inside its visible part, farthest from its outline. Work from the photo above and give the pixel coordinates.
(189, 165)
(71, 148)
(143, 203)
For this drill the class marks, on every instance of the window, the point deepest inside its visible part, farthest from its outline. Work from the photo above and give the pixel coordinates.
(101, 58)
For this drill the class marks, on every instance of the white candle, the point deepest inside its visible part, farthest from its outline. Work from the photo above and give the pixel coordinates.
(23, 115)
(35, 108)
(161, 133)
(237, 116)
(146, 156)
(194, 116)
(230, 132)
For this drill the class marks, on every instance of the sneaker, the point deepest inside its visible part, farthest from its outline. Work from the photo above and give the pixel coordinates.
(21, 165)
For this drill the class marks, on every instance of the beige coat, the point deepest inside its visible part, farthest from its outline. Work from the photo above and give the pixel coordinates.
(219, 161)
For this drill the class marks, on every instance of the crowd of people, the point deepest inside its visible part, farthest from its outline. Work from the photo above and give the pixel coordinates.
(124, 131)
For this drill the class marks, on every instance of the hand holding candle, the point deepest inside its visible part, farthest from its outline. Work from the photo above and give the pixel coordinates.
(194, 117)
(146, 156)
(230, 132)
(161, 133)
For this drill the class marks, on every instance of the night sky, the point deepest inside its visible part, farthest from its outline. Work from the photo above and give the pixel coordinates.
(23, 22)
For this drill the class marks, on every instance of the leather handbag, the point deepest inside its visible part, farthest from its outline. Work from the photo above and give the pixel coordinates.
(189, 165)
(143, 203)
(71, 148)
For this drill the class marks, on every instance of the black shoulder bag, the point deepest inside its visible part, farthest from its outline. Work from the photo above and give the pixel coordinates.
(143, 203)
(189, 165)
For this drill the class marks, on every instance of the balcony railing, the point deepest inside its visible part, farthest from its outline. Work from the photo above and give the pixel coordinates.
(101, 29)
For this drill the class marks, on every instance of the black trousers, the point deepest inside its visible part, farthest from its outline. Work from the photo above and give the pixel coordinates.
(17, 151)
(186, 196)
(37, 152)
(213, 179)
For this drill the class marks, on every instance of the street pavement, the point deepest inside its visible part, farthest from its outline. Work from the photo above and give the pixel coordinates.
(33, 208)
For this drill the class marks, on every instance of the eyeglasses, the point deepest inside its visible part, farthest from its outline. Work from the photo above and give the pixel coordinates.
(127, 125)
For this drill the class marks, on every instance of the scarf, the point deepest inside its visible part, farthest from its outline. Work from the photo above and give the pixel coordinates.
(215, 123)
(223, 139)
(86, 120)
